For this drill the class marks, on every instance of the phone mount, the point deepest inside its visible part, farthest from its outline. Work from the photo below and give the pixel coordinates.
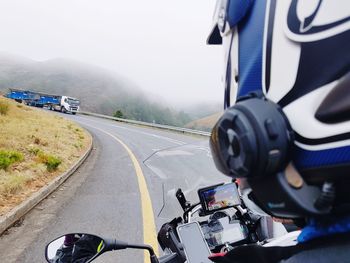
(186, 205)
(182, 199)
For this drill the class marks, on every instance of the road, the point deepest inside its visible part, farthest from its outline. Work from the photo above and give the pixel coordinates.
(104, 197)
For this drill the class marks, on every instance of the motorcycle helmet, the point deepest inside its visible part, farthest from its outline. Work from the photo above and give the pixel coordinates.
(286, 125)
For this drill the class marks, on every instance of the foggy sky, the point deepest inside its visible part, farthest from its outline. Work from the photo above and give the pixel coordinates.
(159, 44)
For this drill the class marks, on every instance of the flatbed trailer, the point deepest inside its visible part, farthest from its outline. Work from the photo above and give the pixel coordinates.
(38, 99)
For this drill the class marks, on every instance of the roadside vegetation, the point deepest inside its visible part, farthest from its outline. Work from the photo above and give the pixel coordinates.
(35, 147)
(9, 157)
(4, 107)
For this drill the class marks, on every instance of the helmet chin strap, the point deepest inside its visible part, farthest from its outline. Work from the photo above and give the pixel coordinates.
(285, 200)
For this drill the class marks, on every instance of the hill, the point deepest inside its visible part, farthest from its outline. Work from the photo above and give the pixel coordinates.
(204, 124)
(99, 90)
(203, 109)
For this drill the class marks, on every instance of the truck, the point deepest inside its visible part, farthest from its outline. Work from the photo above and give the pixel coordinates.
(61, 103)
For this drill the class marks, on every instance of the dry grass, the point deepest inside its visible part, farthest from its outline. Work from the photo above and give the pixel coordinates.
(205, 124)
(47, 143)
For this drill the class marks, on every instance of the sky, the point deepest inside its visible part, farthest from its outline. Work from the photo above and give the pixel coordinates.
(159, 45)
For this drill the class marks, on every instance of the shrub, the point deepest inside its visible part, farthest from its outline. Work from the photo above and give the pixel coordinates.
(118, 114)
(4, 162)
(9, 157)
(51, 162)
(4, 108)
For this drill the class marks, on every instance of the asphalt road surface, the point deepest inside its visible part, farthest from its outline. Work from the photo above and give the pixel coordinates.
(103, 197)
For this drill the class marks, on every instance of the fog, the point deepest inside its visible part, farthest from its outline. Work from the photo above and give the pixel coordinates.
(159, 45)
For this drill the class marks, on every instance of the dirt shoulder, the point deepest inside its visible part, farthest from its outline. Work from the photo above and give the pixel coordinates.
(35, 147)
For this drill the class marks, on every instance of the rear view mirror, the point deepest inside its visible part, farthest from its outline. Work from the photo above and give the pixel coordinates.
(75, 247)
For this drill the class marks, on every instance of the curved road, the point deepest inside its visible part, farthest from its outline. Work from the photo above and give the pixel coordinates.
(103, 197)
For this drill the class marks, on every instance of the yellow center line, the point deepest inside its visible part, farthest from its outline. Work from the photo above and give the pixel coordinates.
(149, 227)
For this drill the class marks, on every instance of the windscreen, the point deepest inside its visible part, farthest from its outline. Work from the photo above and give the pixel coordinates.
(189, 167)
(73, 102)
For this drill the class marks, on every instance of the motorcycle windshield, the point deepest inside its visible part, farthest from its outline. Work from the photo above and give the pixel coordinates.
(189, 167)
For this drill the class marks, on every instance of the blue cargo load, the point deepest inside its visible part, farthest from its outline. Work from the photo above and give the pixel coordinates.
(33, 98)
(19, 95)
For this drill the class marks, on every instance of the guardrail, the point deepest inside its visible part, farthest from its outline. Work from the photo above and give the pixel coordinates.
(153, 125)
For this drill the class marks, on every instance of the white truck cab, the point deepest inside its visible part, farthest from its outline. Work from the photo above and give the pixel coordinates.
(66, 105)
(69, 104)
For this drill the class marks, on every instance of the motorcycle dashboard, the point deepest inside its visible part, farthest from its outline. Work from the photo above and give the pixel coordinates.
(223, 231)
(218, 197)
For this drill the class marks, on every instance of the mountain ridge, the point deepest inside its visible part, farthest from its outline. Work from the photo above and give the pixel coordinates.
(99, 90)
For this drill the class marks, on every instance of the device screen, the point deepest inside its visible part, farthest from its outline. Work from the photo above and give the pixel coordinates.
(219, 196)
(196, 247)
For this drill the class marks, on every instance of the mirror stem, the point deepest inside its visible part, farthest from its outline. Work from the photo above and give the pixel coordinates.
(118, 245)
(153, 256)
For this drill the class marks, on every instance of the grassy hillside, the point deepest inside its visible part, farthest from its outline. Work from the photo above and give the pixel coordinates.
(99, 90)
(204, 124)
(203, 109)
(35, 146)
